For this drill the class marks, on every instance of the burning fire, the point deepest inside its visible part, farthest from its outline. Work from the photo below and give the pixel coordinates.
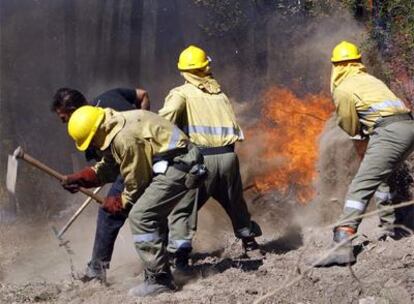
(286, 142)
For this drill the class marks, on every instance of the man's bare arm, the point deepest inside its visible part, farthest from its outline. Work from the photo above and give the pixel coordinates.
(143, 101)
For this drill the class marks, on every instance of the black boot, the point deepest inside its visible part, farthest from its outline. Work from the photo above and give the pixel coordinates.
(252, 249)
(344, 255)
(180, 260)
(154, 283)
(390, 231)
(95, 270)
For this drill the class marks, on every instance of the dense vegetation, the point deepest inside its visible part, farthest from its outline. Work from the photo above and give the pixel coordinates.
(390, 26)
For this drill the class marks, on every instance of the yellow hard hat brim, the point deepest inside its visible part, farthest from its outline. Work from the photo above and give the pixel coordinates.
(183, 67)
(336, 60)
(82, 146)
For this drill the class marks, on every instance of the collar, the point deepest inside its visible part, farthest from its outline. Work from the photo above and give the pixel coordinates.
(112, 123)
(206, 83)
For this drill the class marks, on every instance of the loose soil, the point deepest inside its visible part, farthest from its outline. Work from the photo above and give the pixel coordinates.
(35, 269)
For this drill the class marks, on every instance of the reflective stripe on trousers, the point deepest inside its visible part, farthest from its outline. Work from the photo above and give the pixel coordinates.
(146, 237)
(384, 196)
(180, 244)
(354, 205)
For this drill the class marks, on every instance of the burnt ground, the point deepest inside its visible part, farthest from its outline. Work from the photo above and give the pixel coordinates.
(35, 269)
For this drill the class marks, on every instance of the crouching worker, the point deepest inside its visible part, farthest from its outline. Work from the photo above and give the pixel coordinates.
(108, 224)
(366, 106)
(151, 155)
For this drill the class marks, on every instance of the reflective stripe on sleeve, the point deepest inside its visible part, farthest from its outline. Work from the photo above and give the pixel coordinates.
(354, 205)
(145, 237)
(241, 134)
(175, 138)
(387, 104)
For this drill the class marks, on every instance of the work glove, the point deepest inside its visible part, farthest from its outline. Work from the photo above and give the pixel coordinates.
(85, 178)
(113, 204)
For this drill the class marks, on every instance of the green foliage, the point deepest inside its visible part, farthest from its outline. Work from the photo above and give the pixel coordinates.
(224, 16)
(389, 48)
(398, 30)
(391, 29)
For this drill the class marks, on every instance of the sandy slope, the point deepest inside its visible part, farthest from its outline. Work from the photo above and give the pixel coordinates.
(35, 269)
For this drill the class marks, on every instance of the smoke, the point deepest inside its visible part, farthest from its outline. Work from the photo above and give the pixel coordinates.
(97, 45)
(339, 160)
(338, 163)
(300, 64)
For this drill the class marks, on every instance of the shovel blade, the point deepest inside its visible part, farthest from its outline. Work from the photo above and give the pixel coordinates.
(11, 177)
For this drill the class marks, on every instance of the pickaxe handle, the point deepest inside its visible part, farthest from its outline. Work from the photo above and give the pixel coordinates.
(19, 153)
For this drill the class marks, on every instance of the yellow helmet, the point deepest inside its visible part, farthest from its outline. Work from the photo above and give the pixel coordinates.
(83, 124)
(345, 51)
(193, 58)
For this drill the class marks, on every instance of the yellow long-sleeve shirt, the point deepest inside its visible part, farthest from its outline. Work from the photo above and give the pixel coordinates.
(203, 112)
(129, 141)
(361, 99)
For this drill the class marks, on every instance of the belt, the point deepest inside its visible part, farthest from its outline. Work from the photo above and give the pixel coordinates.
(169, 155)
(182, 167)
(385, 121)
(216, 150)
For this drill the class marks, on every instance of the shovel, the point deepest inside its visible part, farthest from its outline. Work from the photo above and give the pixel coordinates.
(12, 166)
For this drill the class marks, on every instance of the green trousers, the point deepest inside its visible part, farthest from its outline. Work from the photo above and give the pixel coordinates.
(225, 186)
(388, 146)
(148, 218)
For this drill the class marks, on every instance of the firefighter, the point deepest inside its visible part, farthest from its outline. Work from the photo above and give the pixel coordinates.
(137, 144)
(204, 113)
(108, 224)
(365, 106)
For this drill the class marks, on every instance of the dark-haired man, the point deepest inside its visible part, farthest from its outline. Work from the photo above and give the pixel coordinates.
(65, 102)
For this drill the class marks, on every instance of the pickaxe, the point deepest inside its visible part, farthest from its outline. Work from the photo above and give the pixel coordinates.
(12, 172)
(12, 166)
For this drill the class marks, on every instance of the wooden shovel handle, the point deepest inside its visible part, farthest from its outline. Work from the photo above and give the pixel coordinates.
(57, 175)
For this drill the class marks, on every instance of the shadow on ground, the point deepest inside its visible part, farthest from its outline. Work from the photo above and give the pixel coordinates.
(291, 240)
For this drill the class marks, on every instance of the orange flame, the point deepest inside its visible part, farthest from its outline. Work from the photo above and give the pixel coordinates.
(288, 131)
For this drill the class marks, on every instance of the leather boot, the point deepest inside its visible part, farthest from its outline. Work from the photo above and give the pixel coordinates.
(154, 283)
(252, 249)
(344, 255)
(95, 270)
(180, 260)
(389, 231)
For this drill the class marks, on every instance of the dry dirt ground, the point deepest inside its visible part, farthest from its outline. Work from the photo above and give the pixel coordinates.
(35, 269)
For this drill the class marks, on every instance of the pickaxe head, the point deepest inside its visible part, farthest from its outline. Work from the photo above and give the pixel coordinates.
(18, 153)
(12, 166)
